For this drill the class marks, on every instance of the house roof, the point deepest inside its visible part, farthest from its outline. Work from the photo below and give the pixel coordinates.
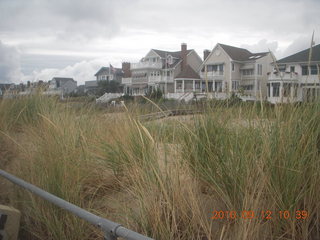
(176, 55)
(62, 80)
(241, 54)
(303, 56)
(188, 72)
(106, 69)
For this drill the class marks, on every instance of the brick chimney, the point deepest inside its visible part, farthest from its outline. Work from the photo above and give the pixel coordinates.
(206, 53)
(183, 56)
(126, 69)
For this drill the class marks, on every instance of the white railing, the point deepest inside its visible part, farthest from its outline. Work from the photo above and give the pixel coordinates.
(155, 79)
(211, 74)
(126, 81)
(283, 76)
(160, 79)
(139, 80)
(141, 65)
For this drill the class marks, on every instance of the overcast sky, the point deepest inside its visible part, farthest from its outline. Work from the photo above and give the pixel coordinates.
(40, 39)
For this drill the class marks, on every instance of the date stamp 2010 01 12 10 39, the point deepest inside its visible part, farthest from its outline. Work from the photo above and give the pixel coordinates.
(264, 214)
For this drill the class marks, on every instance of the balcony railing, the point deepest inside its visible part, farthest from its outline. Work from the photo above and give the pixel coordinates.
(126, 80)
(283, 76)
(212, 74)
(136, 80)
(158, 79)
(144, 65)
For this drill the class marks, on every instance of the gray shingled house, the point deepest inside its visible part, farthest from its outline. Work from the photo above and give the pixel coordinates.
(159, 70)
(296, 78)
(227, 69)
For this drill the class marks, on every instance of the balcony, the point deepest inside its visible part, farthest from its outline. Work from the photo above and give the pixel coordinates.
(160, 79)
(127, 81)
(146, 65)
(292, 76)
(212, 75)
(139, 80)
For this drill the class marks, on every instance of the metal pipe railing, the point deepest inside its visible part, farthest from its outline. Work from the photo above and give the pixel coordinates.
(111, 229)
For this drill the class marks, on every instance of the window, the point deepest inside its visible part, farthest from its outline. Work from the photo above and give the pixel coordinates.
(248, 87)
(218, 86)
(295, 90)
(276, 89)
(282, 68)
(292, 69)
(313, 70)
(259, 69)
(247, 72)
(286, 89)
(179, 85)
(305, 70)
(235, 85)
(212, 68)
(221, 67)
(197, 85)
(233, 67)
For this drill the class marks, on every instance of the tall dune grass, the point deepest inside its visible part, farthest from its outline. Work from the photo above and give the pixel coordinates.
(164, 178)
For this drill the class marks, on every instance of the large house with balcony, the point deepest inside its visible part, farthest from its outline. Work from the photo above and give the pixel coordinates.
(296, 78)
(168, 71)
(227, 69)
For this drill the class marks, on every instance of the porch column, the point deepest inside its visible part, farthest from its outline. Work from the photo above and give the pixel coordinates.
(183, 85)
(193, 86)
(175, 86)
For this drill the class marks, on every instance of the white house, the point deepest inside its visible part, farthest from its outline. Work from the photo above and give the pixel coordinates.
(165, 70)
(228, 69)
(294, 78)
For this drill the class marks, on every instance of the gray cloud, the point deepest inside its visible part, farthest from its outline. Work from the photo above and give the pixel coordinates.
(262, 46)
(9, 64)
(128, 28)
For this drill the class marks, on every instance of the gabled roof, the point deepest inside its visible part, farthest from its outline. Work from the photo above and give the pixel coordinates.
(241, 54)
(62, 80)
(303, 56)
(106, 69)
(176, 57)
(188, 72)
(176, 54)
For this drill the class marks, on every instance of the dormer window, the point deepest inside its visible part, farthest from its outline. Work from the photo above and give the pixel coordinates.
(169, 59)
(292, 69)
